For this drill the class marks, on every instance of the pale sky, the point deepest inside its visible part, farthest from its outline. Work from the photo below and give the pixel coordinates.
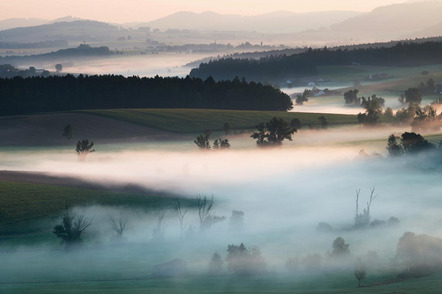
(120, 11)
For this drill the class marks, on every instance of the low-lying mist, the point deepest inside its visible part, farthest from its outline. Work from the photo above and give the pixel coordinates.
(284, 194)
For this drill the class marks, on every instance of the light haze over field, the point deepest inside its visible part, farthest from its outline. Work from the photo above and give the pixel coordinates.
(141, 10)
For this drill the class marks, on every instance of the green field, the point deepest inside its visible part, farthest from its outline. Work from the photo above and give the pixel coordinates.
(198, 120)
(340, 282)
(25, 205)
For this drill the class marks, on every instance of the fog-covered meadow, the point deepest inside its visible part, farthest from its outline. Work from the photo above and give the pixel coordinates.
(284, 193)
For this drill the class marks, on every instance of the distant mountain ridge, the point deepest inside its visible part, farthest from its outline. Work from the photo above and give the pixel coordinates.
(274, 22)
(76, 30)
(11, 23)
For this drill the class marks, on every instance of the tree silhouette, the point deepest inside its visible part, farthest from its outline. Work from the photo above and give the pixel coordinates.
(202, 141)
(221, 144)
(340, 248)
(84, 147)
(72, 227)
(273, 132)
(58, 67)
(360, 272)
(67, 132)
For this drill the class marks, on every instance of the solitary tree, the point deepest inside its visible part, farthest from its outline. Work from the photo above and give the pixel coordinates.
(340, 248)
(322, 122)
(118, 225)
(71, 228)
(84, 147)
(227, 128)
(360, 272)
(176, 205)
(58, 67)
(67, 132)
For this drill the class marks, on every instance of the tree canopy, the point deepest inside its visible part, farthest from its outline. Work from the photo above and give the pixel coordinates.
(59, 93)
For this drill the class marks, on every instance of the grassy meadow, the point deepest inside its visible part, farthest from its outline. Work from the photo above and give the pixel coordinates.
(198, 120)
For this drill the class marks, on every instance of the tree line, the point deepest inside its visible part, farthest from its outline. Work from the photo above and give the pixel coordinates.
(301, 64)
(60, 93)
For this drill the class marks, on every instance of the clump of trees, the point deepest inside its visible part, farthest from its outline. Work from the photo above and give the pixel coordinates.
(273, 132)
(243, 261)
(68, 92)
(202, 141)
(351, 98)
(301, 98)
(411, 143)
(419, 254)
(72, 227)
(373, 110)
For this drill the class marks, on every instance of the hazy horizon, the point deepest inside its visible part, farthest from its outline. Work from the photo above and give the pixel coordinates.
(144, 11)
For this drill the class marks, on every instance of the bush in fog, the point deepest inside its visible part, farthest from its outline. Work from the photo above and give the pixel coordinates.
(67, 132)
(243, 261)
(411, 143)
(215, 264)
(237, 220)
(72, 227)
(340, 248)
(419, 254)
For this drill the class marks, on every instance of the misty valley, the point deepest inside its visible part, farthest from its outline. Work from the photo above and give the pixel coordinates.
(211, 153)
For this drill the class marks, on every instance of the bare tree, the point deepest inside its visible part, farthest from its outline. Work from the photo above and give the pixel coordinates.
(207, 219)
(73, 226)
(360, 272)
(176, 205)
(363, 219)
(118, 225)
(158, 231)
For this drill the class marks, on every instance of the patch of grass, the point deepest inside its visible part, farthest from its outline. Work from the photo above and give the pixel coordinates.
(198, 120)
(327, 283)
(24, 205)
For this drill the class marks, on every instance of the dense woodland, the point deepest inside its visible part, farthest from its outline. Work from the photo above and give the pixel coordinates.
(58, 93)
(283, 66)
